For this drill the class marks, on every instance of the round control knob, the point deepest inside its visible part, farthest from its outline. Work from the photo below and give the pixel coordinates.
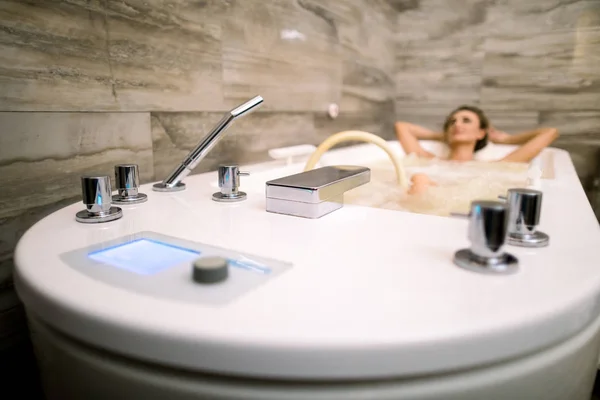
(96, 191)
(210, 269)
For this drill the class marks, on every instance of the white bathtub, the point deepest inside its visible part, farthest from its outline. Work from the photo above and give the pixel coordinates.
(362, 303)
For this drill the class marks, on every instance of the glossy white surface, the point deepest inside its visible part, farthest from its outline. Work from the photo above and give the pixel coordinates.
(372, 293)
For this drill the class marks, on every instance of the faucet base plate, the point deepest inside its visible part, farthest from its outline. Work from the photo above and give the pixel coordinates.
(86, 217)
(223, 198)
(161, 187)
(536, 239)
(503, 265)
(139, 198)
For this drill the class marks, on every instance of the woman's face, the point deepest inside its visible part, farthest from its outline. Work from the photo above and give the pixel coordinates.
(464, 128)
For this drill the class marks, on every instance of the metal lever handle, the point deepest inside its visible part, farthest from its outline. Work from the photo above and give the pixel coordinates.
(229, 178)
(229, 182)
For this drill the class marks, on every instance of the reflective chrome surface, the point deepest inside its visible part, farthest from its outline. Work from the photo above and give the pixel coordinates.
(229, 182)
(314, 193)
(488, 223)
(127, 181)
(173, 181)
(525, 208)
(96, 192)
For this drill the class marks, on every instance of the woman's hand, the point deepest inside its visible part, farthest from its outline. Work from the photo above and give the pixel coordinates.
(497, 136)
(420, 183)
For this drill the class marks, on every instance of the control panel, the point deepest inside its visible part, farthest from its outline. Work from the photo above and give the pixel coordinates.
(168, 267)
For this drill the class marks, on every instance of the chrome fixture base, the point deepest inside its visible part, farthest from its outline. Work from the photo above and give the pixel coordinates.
(229, 198)
(504, 264)
(536, 239)
(87, 217)
(124, 200)
(162, 187)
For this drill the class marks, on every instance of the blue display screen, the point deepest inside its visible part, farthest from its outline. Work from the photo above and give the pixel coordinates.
(144, 256)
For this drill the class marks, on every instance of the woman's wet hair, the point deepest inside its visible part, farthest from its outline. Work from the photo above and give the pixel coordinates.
(484, 123)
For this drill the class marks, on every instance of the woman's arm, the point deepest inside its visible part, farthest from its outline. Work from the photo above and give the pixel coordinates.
(533, 142)
(409, 135)
(500, 137)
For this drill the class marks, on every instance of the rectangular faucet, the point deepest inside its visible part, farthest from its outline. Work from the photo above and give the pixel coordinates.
(314, 193)
(173, 182)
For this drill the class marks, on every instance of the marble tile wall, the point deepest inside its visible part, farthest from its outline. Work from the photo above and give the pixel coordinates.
(86, 84)
(526, 63)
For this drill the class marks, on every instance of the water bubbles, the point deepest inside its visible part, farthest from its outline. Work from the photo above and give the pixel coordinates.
(458, 184)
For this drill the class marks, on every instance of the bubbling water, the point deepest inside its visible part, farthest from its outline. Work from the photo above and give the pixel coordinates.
(458, 184)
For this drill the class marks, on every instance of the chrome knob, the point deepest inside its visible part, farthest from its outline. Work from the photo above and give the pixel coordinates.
(488, 227)
(96, 191)
(127, 181)
(525, 208)
(229, 182)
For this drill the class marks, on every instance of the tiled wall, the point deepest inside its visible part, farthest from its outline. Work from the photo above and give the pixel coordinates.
(86, 84)
(526, 63)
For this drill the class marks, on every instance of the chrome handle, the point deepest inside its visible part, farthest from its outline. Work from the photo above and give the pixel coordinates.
(488, 223)
(525, 206)
(96, 190)
(229, 182)
(229, 178)
(525, 209)
(127, 179)
(488, 230)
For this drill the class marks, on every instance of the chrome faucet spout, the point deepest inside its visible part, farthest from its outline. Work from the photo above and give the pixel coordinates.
(173, 182)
